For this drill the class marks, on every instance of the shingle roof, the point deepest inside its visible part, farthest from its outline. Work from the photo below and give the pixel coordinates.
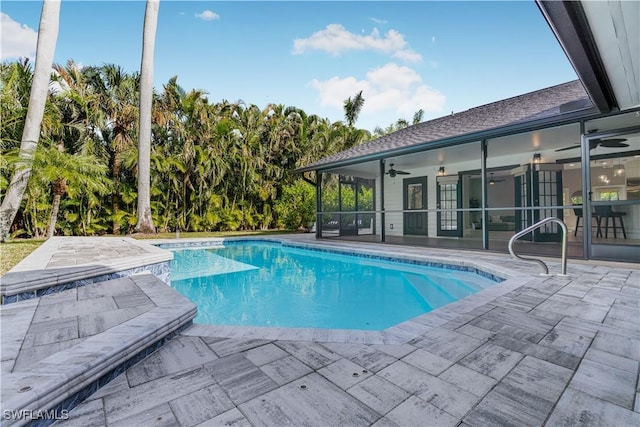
(547, 103)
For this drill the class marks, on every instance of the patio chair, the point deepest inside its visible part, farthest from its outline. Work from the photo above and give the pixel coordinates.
(607, 213)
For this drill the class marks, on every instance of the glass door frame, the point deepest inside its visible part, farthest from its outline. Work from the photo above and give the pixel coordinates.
(599, 250)
(420, 214)
(452, 213)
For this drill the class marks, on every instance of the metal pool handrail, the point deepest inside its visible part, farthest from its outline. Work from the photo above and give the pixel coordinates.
(539, 261)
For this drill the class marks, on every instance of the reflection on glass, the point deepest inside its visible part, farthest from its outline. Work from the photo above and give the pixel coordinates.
(616, 178)
(414, 194)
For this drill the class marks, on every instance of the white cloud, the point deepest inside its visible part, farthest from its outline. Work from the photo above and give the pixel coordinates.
(379, 21)
(17, 40)
(334, 91)
(390, 88)
(207, 15)
(335, 39)
(393, 75)
(408, 55)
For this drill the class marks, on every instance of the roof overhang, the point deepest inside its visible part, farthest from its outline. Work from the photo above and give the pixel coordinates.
(602, 42)
(461, 139)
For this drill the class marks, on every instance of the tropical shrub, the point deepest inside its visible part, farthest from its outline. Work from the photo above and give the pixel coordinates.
(297, 206)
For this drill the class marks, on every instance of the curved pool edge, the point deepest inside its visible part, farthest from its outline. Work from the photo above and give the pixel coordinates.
(509, 279)
(396, 335)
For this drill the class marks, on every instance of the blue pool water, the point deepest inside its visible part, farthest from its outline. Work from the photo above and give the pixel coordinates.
(268, 284)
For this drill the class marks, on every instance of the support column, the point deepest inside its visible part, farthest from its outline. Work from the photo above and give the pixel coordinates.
(383, 225)
(484, 216)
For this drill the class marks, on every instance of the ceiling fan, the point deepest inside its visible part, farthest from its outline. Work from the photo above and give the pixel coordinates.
(392, 172)
(493, 181)
(608, 143)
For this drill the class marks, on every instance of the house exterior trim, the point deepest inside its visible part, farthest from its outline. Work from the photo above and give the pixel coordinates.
(569, 23)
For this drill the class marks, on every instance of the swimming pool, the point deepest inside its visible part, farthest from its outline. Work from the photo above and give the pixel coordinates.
(270, 284)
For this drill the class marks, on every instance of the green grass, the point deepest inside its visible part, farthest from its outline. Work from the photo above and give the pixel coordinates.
(14, 251)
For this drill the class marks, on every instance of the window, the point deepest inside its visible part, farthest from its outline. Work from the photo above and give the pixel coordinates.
(609, 195)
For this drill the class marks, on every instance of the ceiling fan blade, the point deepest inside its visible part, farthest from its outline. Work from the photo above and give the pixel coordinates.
(392, 172)
(592, 144)
(613, 143)
(568, 148)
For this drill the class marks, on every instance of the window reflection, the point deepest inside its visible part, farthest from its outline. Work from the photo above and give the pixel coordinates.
(414, 194)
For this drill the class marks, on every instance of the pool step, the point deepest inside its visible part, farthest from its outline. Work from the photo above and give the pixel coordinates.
(59, 349)
(441, 290)
(191, 264)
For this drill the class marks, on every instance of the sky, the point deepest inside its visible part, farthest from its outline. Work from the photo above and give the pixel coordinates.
(438, 56)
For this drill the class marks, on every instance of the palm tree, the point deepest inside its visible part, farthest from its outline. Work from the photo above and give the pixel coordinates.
(352, 108)
(68, 173)
(117, 92)
(417, 116)
(15, 85)
(79, 105)
(145, 220)
(45, 50)
(399, 124)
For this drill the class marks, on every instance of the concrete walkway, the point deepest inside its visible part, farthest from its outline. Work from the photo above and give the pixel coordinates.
(536, 351)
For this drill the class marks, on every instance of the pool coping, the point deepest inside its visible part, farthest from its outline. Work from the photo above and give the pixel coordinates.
(398, 334)
(37, 276)
(65, 378)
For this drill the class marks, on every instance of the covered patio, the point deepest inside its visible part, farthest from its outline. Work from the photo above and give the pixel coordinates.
(474, 178)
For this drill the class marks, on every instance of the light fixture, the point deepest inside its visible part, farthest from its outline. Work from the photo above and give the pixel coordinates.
(604, 178)
(537, 158)
(441, 171)
(619, 170)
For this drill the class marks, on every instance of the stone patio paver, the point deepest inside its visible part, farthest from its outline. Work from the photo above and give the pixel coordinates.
(378, 394)
(285, 370)
(231, 418)
(415, 412)
(309, 401)
(468, 379)
(531, 351)
(201, 405)
(178, 354)
(605, 382)
(428, 362)
(580, 409)
(128, 404)
(239, 378)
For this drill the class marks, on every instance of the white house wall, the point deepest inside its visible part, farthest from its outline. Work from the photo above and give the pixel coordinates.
(393, 194)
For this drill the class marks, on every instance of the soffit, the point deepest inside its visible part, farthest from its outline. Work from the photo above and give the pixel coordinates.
(615, 26)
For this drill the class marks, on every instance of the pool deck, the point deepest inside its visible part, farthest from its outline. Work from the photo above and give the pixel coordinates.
(533, 350)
